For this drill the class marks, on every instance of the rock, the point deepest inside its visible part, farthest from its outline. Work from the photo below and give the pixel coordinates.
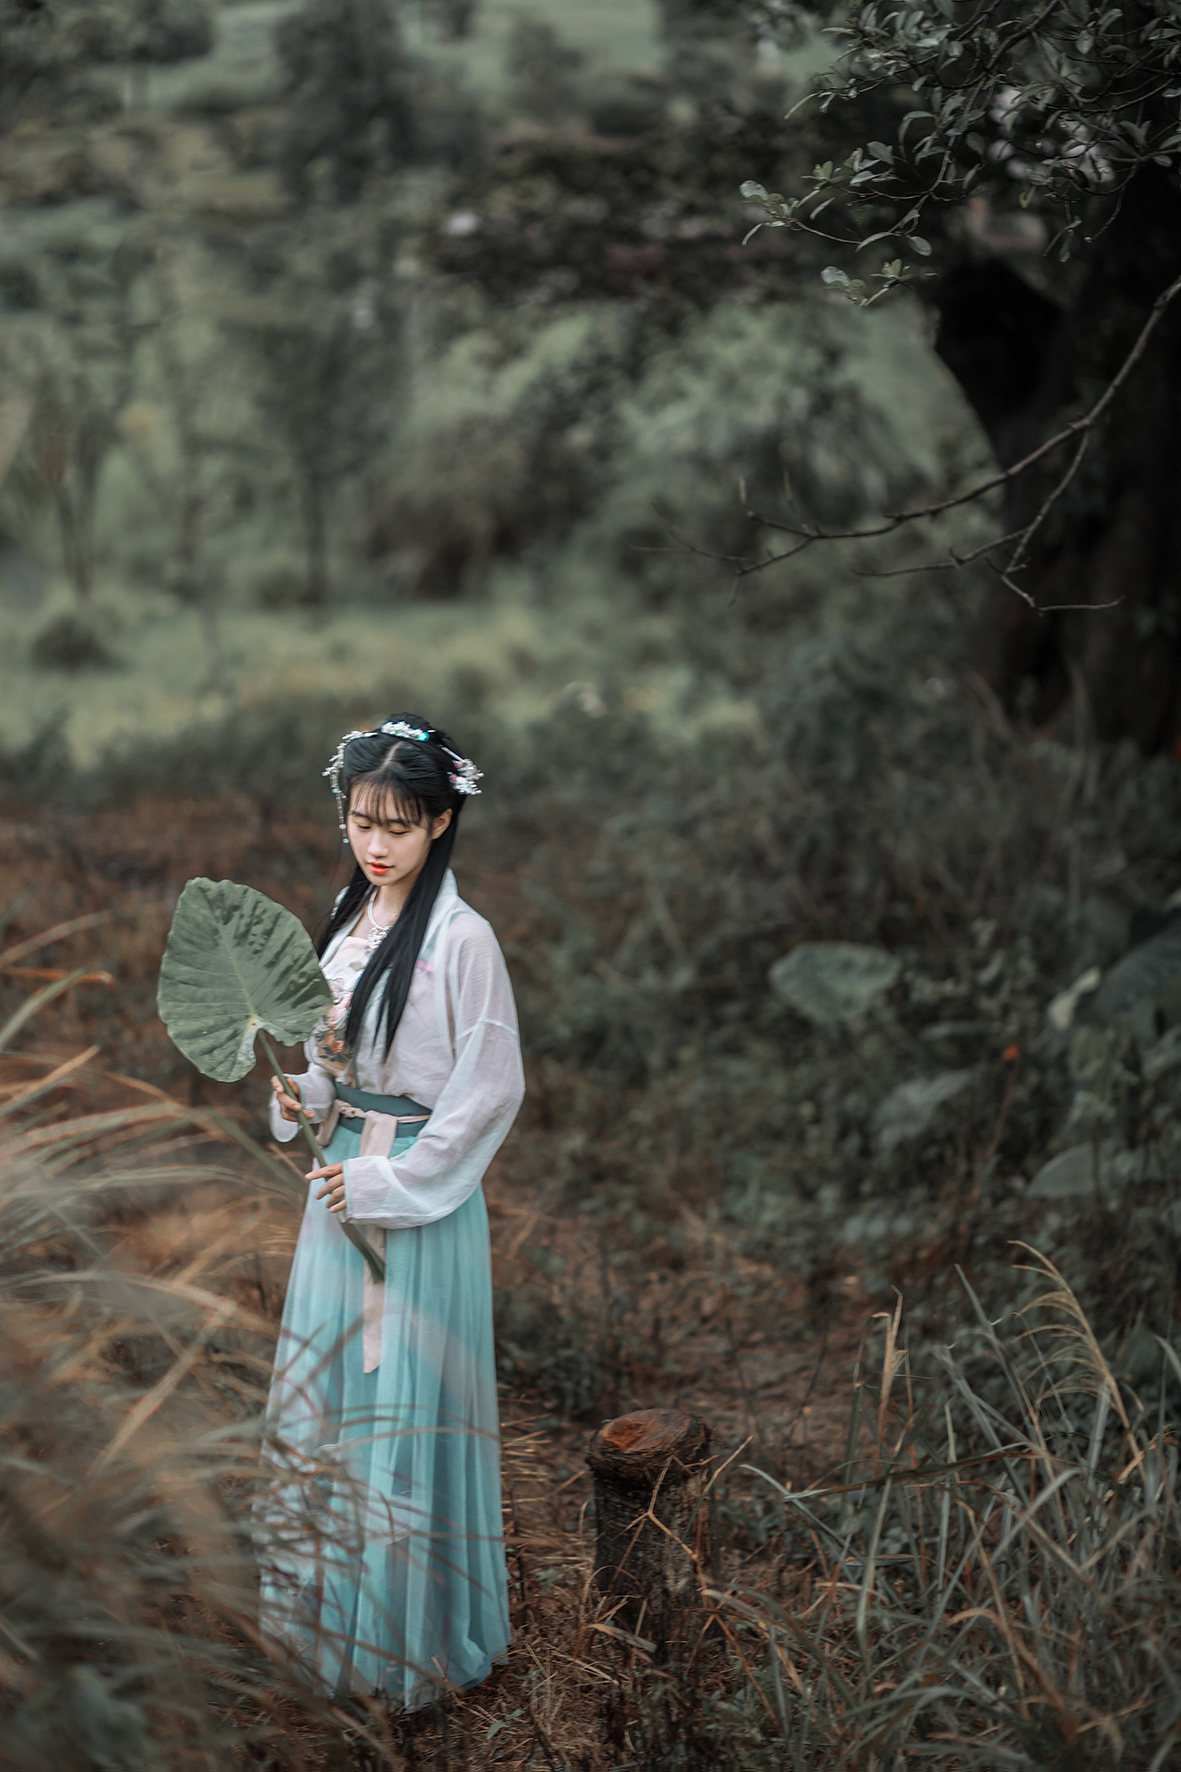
(909, 1109)
(832, 982)
(1072, 1173)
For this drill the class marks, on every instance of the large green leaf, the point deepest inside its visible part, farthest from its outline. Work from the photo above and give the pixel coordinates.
(236, 962)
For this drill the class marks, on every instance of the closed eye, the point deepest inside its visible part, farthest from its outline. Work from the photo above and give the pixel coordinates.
(365, 824)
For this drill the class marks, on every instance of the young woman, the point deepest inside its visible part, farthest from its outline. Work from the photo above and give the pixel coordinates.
(385, 1570)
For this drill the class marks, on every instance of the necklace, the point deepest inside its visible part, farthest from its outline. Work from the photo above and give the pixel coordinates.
(377, 931)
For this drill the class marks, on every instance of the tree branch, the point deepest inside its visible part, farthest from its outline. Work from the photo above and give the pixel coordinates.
(1081, 428)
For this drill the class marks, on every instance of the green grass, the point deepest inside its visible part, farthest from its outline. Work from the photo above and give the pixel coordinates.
(504, 655)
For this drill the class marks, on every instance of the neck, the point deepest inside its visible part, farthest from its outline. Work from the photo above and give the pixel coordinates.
(388, 900)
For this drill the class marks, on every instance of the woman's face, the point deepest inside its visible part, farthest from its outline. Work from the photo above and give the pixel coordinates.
(390, 849)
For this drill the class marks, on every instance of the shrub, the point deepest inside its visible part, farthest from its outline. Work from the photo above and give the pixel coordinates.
(542, 71)
(72, 643)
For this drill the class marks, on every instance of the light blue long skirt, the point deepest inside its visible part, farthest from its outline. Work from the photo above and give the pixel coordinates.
(381, 1537)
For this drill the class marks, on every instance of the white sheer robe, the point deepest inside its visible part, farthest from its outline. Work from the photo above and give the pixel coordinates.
(457, 1051)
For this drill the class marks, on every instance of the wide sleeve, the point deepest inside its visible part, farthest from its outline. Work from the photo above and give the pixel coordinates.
(316, 1091)
(476, 1107)
(316, 1088)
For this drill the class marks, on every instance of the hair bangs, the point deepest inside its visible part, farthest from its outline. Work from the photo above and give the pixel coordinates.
(385, 796)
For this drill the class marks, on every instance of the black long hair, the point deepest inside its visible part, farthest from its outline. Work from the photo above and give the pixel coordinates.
(414, 776)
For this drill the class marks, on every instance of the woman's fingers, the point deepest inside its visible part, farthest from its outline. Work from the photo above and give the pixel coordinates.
(332, 1193)
(288, 1103)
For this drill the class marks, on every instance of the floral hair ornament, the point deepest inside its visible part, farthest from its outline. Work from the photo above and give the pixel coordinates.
(463, 777)
(399, 729)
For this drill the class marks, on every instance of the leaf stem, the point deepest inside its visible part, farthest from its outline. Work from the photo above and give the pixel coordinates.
(376, 1264)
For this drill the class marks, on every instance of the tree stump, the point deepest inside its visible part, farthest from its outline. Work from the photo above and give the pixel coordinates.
(652, 1466)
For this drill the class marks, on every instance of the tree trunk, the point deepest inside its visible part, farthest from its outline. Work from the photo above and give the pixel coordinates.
(195, 569)
(316, 537)
(75, 554)
(654, 1461)
(1114, 538)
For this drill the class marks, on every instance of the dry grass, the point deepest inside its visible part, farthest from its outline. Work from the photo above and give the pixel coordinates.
(994, 1587)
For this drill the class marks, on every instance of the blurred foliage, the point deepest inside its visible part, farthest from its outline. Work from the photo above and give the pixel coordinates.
(355, 102)
(223, 321)
(541, 71)
(49, 47)
(69, 643)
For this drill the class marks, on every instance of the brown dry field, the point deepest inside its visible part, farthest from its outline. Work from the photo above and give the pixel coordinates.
(765, 1358)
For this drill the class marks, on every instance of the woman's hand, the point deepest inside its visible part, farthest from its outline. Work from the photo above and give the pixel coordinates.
(332, 1193)
(288, 1102)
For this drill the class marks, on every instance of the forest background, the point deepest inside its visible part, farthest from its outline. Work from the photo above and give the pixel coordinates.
(361, 358)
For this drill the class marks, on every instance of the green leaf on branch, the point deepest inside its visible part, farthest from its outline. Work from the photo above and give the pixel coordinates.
(907, 121)
(236, 962)
(919, 245)
(835, 278)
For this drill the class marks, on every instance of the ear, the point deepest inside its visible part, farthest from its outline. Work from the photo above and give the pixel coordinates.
(440, 824)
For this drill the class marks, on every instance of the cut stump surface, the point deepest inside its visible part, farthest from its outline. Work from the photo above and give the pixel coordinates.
(651, 1472)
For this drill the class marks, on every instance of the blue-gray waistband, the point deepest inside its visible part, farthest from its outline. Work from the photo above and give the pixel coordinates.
(399, 1105)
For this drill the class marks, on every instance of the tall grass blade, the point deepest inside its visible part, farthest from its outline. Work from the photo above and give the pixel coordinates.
(58, 933)
(867, 1583)
(31, 1005)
